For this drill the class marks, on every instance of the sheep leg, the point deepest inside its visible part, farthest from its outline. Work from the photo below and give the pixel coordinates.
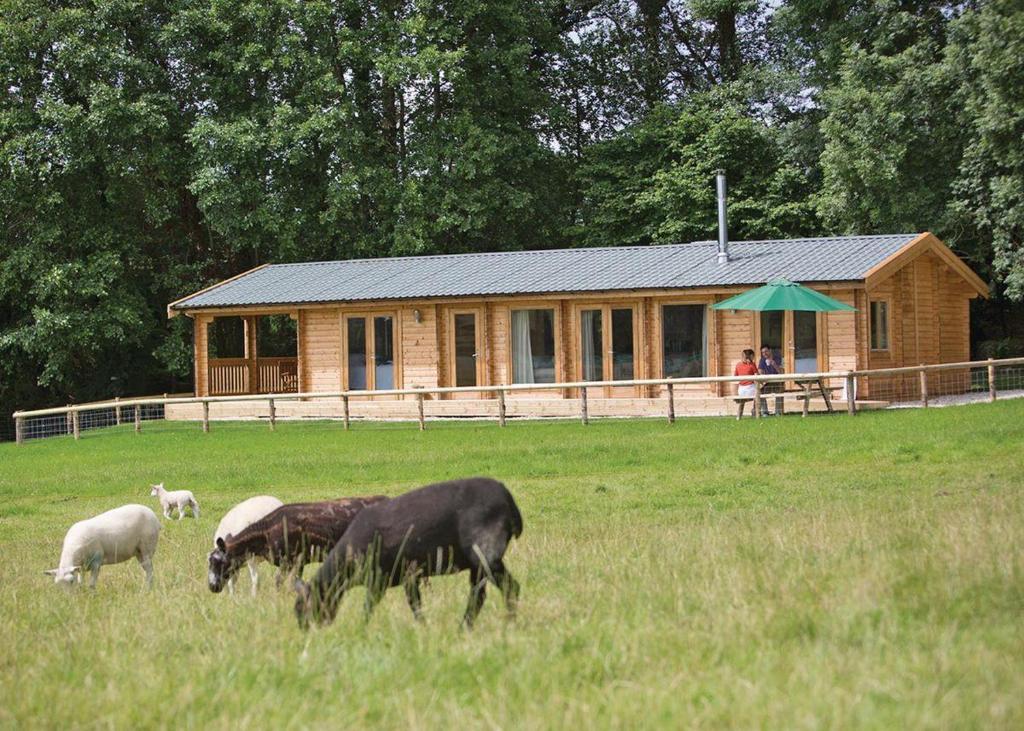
(181, 511)
(509, 587)
(477, 594)
(195, 510)
(167, 511)
(147, 566)
(254, 575)
(412, 594)
(231, 586)
(95, 569)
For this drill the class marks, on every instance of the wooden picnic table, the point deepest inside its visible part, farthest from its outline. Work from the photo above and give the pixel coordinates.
(805, 393)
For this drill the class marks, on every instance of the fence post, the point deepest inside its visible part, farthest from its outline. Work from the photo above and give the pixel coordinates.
(671, 405)
(757, 400)
(206, 416)
(501, 408)
(19, 430)
(273, 414)
(344, 400)
(419, 408)
(138, 419)
(67, 420)
(924, 386)
(991, 381)
(851, 394)
(117, 411)
(584, 417)
(74, 421)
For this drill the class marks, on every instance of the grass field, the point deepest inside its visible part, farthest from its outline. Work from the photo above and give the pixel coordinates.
(792, 573)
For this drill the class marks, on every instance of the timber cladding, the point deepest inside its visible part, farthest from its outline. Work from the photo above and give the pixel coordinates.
(925, 290)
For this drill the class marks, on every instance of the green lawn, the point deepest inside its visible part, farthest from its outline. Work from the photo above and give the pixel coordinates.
(793, 573)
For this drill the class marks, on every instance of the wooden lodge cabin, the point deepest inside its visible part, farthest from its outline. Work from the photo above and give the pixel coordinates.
(576, 315)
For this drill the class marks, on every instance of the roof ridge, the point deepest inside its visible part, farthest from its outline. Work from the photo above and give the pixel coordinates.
(527, 252)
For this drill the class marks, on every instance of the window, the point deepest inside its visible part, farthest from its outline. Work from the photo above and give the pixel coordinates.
(772, 328)
(880, 325)
(684, 341)
(533, 346)
(622, 345)
(805, 341)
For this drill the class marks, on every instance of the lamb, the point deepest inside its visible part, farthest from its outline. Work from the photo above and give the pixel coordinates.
(238, 519)
(111, 537)
(179, 499)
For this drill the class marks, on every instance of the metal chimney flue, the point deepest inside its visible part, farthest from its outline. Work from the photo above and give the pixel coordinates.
(723, 226)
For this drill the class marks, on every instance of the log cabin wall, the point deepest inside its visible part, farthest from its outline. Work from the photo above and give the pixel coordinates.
(320, 357)
(929, 315)
(841, 330)
(928, 311)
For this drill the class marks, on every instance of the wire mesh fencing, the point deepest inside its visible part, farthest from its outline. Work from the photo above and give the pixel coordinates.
(942, 387)
(74, 423)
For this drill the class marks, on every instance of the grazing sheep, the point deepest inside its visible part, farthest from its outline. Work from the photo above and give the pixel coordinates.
(439, 529)
(289, 537)
(179, 499)
(111, 537)
(238, 519)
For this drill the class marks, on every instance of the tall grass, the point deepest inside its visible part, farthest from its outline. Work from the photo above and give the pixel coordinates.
(826, 572)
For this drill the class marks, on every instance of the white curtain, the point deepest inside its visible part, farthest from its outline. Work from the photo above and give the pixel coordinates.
(522, 350)
(589, 361)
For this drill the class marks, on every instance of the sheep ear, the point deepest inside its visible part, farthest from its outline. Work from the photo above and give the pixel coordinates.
(221, 544)
(51, 572)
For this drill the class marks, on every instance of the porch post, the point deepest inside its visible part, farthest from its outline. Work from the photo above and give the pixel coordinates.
(250, 353)
(300, 365)
(201, 353)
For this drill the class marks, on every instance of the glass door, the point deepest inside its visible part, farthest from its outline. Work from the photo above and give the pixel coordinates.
(607, 346)
(383, 352)
(464, 330)
(369, 352)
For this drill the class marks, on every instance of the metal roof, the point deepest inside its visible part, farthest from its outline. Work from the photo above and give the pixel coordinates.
(671, 266)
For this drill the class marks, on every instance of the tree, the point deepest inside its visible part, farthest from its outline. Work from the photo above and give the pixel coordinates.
(987, 56)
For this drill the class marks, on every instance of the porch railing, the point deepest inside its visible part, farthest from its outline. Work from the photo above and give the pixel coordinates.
(241, 376)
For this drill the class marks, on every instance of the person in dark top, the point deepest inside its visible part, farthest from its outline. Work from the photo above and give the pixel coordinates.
(768, 366)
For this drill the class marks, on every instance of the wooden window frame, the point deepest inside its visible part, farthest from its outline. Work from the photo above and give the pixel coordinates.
(371, 375)
(887, 301)
(556, 307)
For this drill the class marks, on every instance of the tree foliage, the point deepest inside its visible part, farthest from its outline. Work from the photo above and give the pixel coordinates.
(151, 147)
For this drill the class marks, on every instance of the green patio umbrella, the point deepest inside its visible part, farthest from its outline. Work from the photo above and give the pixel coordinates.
(781, 294)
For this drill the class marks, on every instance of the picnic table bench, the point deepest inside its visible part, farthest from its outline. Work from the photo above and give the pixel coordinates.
(809, 388)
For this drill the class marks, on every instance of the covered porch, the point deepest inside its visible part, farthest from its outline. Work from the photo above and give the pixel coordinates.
(251, 354)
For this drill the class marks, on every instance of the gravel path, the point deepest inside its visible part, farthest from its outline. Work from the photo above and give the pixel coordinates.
(959, 399)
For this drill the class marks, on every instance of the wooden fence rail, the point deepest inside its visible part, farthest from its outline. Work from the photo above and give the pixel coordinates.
(849, 378)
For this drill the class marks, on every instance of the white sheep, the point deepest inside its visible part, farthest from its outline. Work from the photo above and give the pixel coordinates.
(111, 537)
(179, 499)
(238, 519)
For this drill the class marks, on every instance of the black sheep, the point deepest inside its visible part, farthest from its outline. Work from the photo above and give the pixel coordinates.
(442, 528)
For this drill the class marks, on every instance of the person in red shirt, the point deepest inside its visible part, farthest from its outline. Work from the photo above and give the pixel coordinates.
(746, 367)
